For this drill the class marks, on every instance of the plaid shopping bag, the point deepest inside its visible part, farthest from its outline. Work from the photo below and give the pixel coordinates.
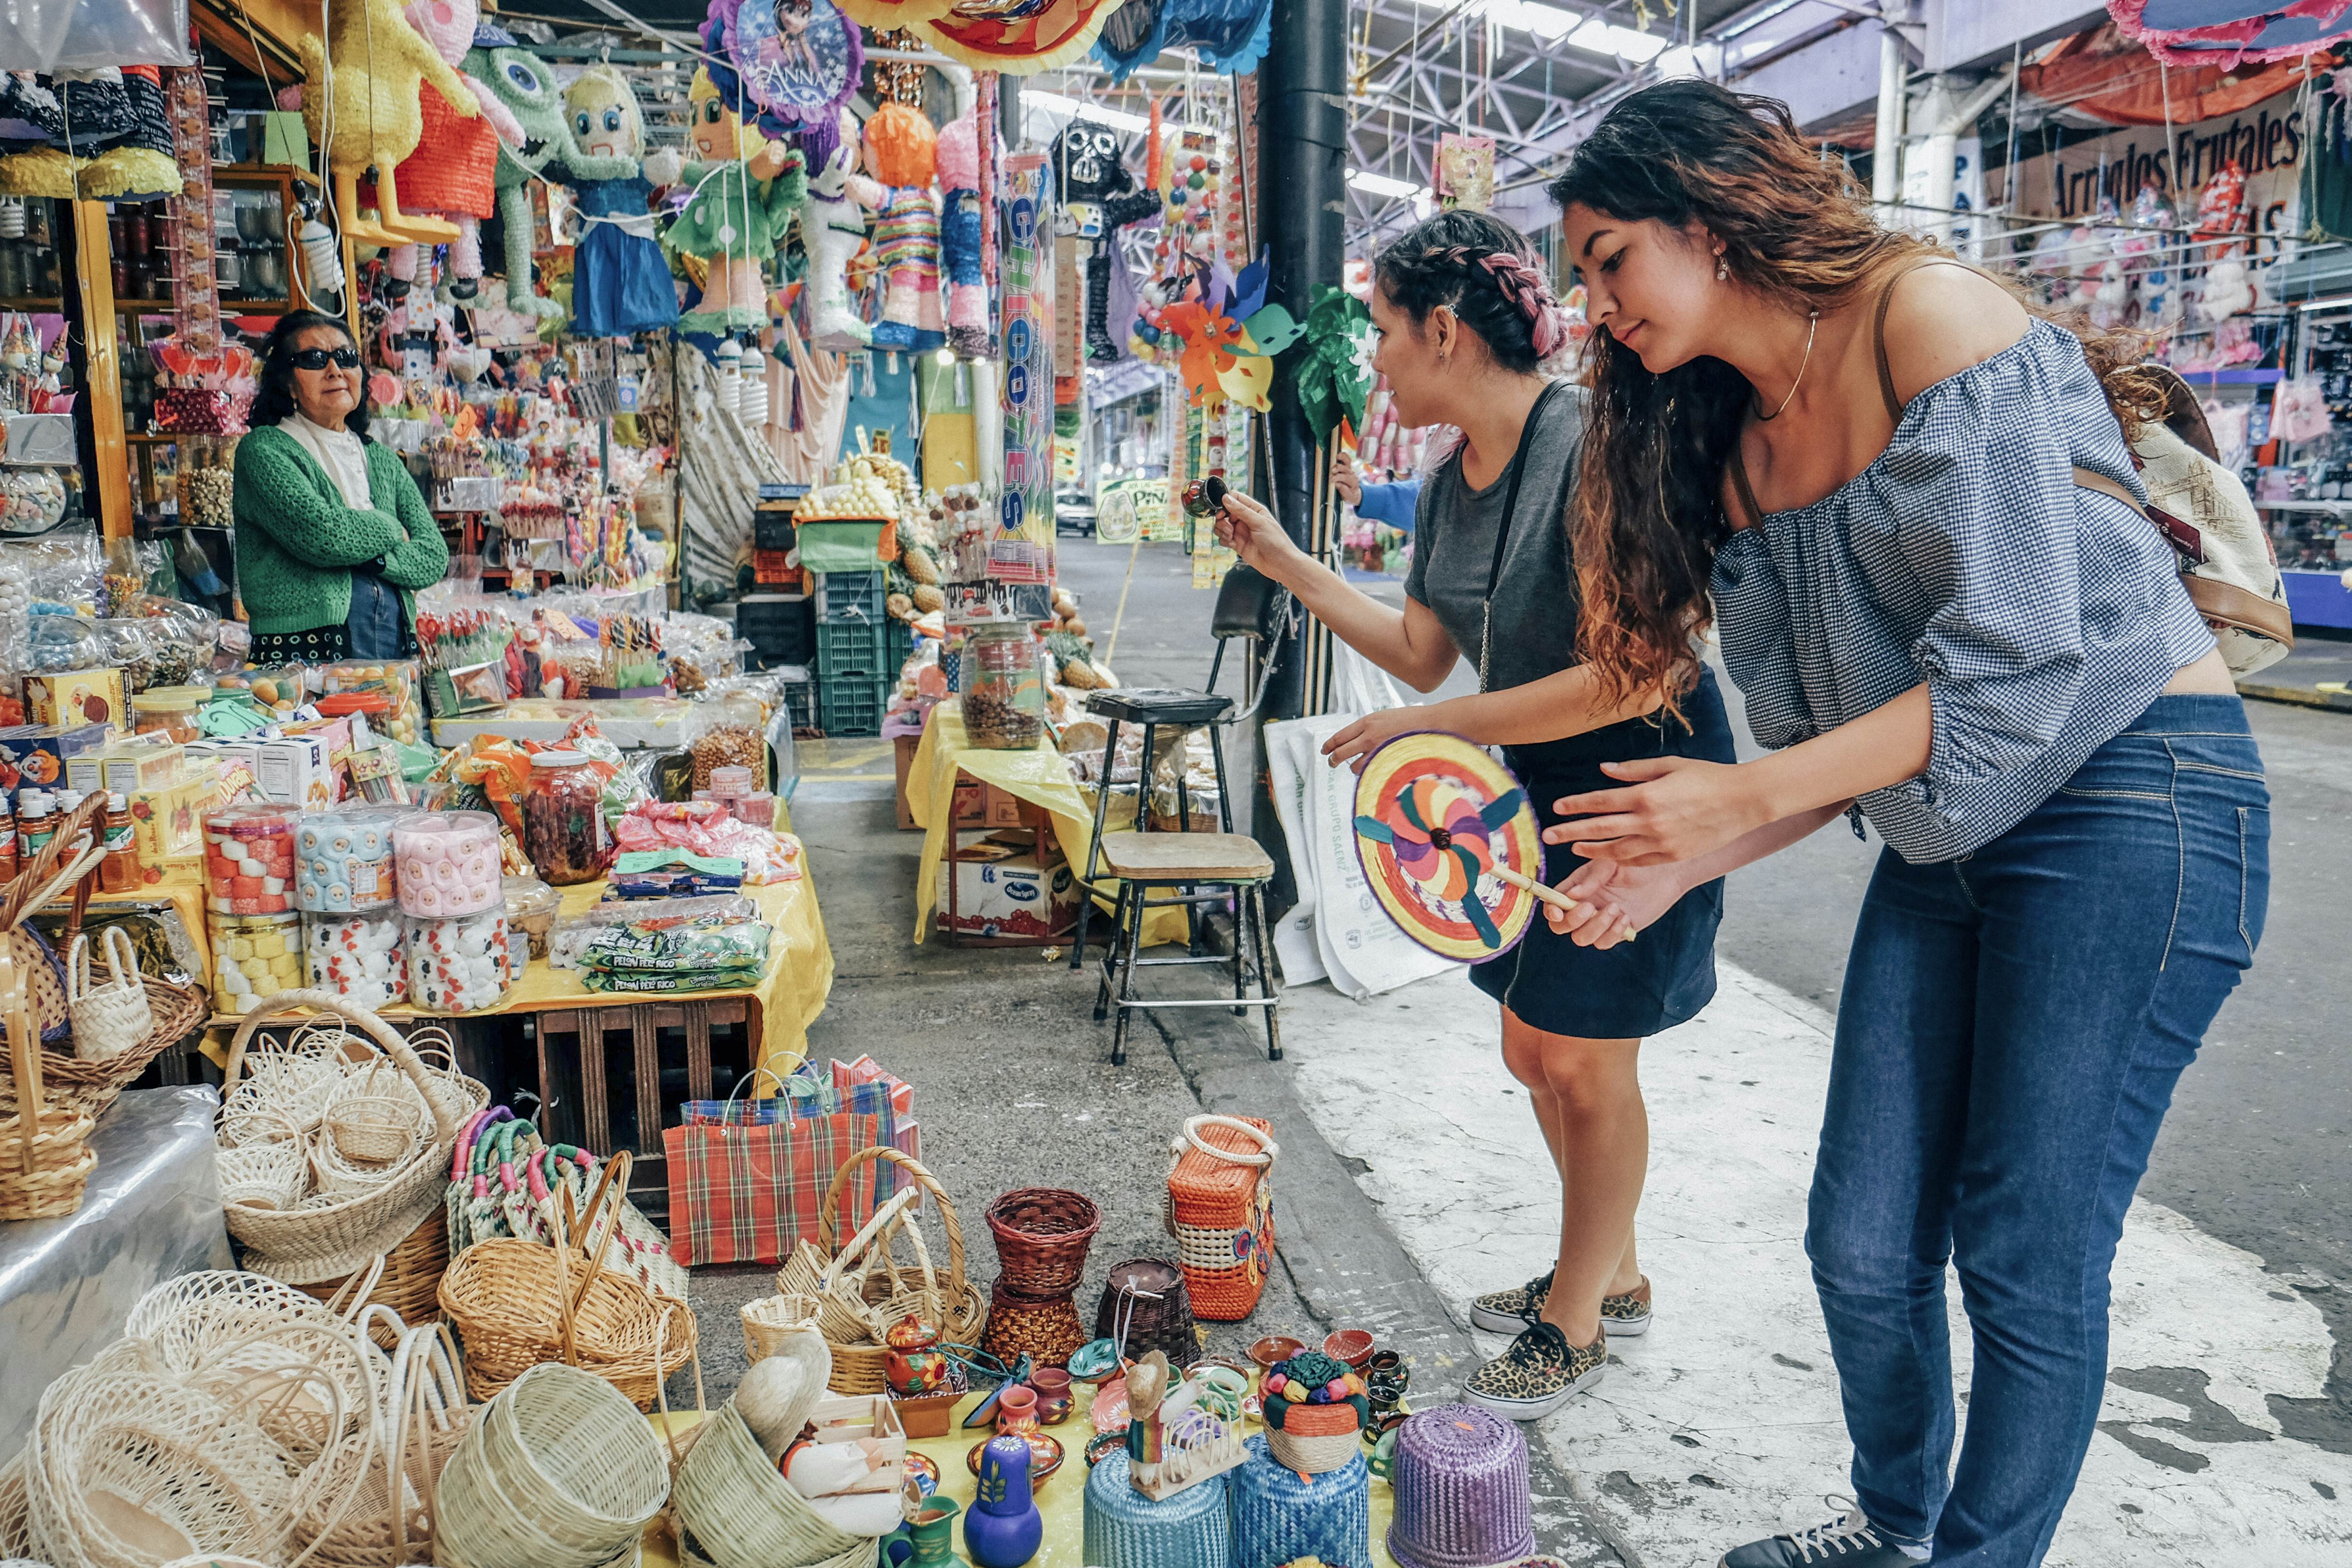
(751, 1192)
(858, 1086)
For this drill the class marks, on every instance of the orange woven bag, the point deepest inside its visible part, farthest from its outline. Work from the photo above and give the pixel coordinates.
(1220, 1209)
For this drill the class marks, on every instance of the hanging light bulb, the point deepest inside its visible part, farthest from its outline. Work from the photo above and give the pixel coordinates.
(12, 218)
(322, 257)
(752, 403)
(944, 358)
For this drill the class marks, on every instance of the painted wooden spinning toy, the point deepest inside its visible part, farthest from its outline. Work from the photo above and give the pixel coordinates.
(1449, 843)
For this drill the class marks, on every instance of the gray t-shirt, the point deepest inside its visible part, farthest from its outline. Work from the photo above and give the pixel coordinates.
(1453, 550)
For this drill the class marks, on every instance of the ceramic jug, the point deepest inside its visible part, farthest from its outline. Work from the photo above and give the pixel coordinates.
(1004, 1528)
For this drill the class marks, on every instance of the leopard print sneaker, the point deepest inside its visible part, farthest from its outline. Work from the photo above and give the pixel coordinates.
(1540, 1373)
(1627, 1316)
(1511, 1312)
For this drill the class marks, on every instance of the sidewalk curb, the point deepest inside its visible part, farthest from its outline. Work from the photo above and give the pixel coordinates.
(2300, 696)
(1349, 1270)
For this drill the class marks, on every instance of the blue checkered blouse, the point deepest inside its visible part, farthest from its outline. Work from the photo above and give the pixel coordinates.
(2043, 618)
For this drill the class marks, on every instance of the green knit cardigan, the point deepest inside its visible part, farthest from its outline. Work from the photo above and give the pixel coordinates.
(297, 541)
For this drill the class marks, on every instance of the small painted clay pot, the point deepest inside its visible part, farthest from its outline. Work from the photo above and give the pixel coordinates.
(914, 1364)
(1052, 1386)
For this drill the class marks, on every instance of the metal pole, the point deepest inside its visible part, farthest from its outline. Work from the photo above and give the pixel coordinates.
(1303, 137)
(1886, 147)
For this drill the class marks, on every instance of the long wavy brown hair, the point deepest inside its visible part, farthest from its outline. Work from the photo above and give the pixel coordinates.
(1647, 515)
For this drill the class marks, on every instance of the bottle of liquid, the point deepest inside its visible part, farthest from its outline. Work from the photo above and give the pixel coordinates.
(67, 801)
(35, 824)
(120, 871)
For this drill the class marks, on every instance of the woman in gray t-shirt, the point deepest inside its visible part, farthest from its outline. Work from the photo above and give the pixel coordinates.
(1466, 322)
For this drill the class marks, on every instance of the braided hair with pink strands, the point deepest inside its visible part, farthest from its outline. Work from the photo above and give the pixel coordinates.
(1486, 273)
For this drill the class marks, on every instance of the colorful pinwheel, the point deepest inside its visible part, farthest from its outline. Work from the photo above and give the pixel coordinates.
(1447, 839)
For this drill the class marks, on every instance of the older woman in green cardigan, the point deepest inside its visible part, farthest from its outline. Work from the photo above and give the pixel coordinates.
(333, 535)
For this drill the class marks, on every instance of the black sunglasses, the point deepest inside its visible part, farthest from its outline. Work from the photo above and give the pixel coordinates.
(316, 359)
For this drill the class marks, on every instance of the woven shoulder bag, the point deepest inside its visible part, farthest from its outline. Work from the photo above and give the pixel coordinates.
(113, 1018)
(1220, 1209)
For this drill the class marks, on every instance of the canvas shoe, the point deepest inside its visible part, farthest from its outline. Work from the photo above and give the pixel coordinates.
(1540, 1373)
(1509, 1312)
(1851, 1542)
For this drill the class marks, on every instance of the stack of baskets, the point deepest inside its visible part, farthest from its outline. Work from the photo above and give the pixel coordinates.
(558, 1472)
(328, 1161)
(860, 1290)
(1220, 1209)
(1042, 1238)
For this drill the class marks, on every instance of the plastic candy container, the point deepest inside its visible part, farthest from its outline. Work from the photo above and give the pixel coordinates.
(460, 965)
(447, 863)
(249, 860)
(344, 860)
(255, 956)
(358, 956)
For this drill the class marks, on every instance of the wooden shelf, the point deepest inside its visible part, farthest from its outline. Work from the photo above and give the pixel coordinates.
(35, 303)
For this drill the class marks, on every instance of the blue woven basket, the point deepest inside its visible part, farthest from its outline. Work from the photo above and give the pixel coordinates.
(1127, 1529)
(1278, 1518)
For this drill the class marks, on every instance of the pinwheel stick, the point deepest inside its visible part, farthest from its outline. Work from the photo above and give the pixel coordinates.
(1549, 894)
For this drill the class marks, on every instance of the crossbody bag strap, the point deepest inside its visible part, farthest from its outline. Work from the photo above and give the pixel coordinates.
(1878, 330)
(1503, 527)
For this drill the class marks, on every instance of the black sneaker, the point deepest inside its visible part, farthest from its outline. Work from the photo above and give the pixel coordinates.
(1849, 1542)
(1510, 1311)
(1540, 1373)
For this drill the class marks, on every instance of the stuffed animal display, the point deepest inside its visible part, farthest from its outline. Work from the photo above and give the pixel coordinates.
(520, 81)
(372, 94)
(106, 130)
(620, 284)
(742, 191)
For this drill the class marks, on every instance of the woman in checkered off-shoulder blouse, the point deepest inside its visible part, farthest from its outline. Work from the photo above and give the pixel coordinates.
(1860, 460)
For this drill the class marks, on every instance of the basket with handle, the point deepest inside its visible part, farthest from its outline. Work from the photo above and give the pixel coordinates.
(1043, 1235)
(558, 1471)
(1220, 1209)
(768, 1322)
(45, 1152)
(113, 1017)
(335, 1238)
(176, 1011)
(859, 1287)
(740, 1508)
(518, 1304)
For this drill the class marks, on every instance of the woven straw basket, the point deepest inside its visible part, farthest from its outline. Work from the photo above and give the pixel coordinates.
(769, 1320)
(1220, 1209)
(518, 1304)
(861, 1291)
(1315, 1439)
(45, 1154)
(1042, 1238)
(334, 1238)
(740, 1507)
(558, 1471)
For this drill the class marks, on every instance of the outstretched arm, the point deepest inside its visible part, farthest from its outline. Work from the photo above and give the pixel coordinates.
(1409, 645)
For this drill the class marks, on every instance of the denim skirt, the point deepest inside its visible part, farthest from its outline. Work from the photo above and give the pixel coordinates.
(1636, 988)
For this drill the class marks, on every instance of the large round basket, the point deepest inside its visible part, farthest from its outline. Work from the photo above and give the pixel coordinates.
(558, 1471)
(411, 1282)
(1461, 1483)
(741, 1509)
(1125, 1529)
(516, 1304)
(337, 1238)
(1042, 1238)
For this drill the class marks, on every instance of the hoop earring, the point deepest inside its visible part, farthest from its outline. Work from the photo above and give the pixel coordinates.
(1722, 268)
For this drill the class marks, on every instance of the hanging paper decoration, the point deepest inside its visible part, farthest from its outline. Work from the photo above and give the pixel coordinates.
(1466, 172)
(799, 61)
(1018, 37)
(2225, 32)
(1229, 336)
(1227, 36)
(1448, 842)
(1335, 374)
(1022, 550)
(884, 15)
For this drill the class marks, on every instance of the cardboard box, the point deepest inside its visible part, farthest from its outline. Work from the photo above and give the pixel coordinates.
(294, 772)
(905, 746)
(169, 822)
(77, 697)
(125, 768)
(1001, 808)
(37, 754)
(970, 802)
(1008, 895)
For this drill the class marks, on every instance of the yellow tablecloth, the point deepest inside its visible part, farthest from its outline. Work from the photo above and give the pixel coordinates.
(1062, 1500)
(1039, 776)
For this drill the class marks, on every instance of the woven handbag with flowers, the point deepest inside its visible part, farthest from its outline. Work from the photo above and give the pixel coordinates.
(1220, 1209)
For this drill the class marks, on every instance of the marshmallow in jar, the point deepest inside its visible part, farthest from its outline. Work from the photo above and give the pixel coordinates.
(249, 859)
(342, 860)
(448, 863)
(358, 957)
(460, 965)
(254, 956)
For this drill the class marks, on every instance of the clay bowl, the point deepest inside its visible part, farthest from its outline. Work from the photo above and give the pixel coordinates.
(1353, 1346)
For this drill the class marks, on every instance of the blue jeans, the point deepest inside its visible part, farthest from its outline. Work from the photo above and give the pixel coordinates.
(2012, 1027)
(375, 628)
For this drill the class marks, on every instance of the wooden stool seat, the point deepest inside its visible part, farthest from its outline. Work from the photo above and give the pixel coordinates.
(1186, 856)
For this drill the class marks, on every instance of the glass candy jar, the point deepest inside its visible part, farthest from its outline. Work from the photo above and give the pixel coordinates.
(1004, 691)
(563, 819)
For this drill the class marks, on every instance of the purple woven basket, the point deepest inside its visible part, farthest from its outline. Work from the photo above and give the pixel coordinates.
(1461, 1482)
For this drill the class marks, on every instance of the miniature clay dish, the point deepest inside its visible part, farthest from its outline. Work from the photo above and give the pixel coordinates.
(1045, 1456)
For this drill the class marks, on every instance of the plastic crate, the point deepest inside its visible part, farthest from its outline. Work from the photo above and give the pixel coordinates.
(799, 700)
(772, 531)
(897, 643)
(782, 627)
(850, 707)
(850, 647)
(852, 596)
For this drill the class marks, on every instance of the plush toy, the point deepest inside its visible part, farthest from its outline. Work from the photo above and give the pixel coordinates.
(957, 161)
(453, 172)
(901, 153)
(520, 81)
(833, 231)
(620, 284)
(380, 68)
(743, 191)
